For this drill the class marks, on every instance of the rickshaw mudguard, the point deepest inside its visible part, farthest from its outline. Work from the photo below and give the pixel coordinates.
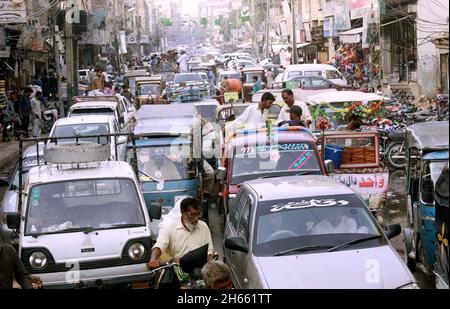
(427, 231)
(171, 189)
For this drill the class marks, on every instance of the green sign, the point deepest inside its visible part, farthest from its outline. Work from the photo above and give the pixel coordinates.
(231, 96)
(166, 21)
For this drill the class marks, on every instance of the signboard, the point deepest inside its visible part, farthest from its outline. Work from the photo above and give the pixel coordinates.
(4, 53)
(13, 10)
(373, 188)
(328, 27)
(358, 8)
(145, 39)
(123, 42)
(231, 96)
(341, 15)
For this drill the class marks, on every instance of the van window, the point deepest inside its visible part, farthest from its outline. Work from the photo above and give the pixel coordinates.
(294, 74)
(313, 73)
(331, 74)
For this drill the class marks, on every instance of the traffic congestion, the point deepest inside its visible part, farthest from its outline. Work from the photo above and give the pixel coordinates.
(208, 167)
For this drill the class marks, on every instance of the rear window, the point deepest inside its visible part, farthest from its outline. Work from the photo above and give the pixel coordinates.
(313, 73)
(93, 111)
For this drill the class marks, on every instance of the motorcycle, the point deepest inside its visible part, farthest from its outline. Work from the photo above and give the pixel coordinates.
(49, 117)
(183, 275)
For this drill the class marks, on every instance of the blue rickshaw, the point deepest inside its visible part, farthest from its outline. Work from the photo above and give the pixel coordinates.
(441, 266)
(167, 147)
(427, 147)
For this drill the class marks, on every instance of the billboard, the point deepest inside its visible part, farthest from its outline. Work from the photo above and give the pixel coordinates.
(358, 8)
(14, 11)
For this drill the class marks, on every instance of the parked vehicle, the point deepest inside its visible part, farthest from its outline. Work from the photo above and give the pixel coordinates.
(82, 221)
(327, 71)
(427, 155)
(282, 232)
(149, 90)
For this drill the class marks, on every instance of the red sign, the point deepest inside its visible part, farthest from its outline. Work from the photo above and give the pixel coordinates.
(357, 4)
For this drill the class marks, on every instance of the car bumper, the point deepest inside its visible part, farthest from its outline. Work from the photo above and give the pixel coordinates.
(126, 276)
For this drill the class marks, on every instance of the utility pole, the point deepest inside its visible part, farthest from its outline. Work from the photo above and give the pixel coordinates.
(71, 58)
(294, 34)
(254, 36)
(58, 69)
(269, 4)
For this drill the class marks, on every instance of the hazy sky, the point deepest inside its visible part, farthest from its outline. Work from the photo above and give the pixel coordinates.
(190, 7)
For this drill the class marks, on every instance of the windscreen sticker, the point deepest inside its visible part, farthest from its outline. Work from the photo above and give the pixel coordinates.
(309, 204)
(304, 157)
(279, 147)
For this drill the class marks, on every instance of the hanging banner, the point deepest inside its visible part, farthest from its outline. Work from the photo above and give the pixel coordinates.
(328, 27)
(13, 11)
(359, 8)
(341, 15)
(123, 42)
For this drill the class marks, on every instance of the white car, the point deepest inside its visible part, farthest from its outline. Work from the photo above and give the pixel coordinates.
(86, 224)
(309, 232)
(92, 126)
(327, 71)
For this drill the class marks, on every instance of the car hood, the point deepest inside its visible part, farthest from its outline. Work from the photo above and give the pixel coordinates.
(373, 268)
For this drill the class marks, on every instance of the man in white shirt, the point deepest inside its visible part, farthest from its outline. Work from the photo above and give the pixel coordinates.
(255, 115)
(183, 235)
(289, 99)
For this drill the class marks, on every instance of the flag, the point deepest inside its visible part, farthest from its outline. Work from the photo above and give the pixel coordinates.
(204, 21)
(218, 22)
(245, 14)
(166, 21)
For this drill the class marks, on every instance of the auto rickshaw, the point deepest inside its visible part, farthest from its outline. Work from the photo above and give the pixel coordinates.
(149, 90)
(248, 73)
(441, 266)
(130, 77)
(427, 154)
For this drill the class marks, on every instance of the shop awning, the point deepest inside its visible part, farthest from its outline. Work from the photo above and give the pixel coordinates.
(352, 36)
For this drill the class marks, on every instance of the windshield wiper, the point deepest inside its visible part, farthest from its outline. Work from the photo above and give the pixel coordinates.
(85, 230)
(354, 242)
(307, 173)
(152, 178)
(124, 226)
(302, 249)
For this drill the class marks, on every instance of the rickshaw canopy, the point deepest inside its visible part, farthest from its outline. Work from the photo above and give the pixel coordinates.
(428, 136)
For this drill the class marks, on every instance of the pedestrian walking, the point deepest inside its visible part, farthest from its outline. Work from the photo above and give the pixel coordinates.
(25, 110)
(270, 76)
(36, 115)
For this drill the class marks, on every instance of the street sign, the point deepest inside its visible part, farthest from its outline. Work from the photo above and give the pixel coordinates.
(5, 53)
(231, 96)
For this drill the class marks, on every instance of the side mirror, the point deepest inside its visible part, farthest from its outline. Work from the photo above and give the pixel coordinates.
(155, 211)
(236, 244)
(4, 181)
(393, 230)
(221, 174)
(121, 119)
(13, 220)
(329, 167)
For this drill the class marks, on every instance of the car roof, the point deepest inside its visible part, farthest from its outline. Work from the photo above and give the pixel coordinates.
(98, 104)
(311, 66)
(252, 68)
(283, 188)
(84, 120)
(64, 172)
(170, 126)
(150, 111)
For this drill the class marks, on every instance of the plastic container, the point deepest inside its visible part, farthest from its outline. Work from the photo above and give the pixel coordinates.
(334, 153)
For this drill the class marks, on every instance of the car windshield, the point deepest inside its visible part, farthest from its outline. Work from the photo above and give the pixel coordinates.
(83, 129)
(165, 163)
(184, 78)
(149, 89)
(252, 162)
(326, 221)
(92, 111)
(249, 77)
(207, 111)
(333, 74)
(95, 203)
(28, 163)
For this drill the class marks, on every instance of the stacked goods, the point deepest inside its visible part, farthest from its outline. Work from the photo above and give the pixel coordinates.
(358, 155)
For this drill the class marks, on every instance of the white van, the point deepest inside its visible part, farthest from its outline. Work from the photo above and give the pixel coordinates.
(83, 224)
(327, 71)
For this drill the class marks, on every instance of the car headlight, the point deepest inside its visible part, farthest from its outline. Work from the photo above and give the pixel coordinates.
(136, 251)
(38, 260)
(410, 286)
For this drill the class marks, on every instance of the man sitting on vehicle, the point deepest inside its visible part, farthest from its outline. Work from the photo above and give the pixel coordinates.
(183, 235)
(160, 167)
(295, 113)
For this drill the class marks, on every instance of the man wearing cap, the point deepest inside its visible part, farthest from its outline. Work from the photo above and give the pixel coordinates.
(289, 99)
(295, 114)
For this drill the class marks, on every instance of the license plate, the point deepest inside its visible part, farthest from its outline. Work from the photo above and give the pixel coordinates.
(140, 285)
